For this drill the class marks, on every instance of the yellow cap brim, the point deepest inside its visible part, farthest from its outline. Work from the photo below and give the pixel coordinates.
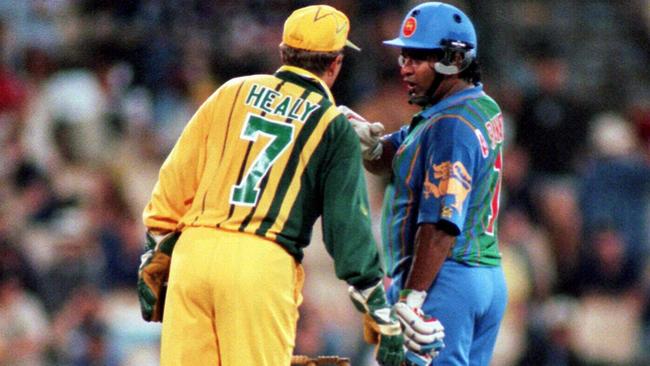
(348, 43)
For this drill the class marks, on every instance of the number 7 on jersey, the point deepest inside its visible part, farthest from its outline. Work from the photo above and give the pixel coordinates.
(246, 193)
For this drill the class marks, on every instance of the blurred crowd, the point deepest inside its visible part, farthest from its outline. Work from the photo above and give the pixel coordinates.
(93, 94)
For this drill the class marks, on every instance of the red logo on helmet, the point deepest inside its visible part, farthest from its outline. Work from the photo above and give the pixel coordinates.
(409, 27)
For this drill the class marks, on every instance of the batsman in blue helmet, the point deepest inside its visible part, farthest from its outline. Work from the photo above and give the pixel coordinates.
(441, 207)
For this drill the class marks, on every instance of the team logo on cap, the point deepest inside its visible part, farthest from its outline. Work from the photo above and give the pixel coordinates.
(318, 16)
(409, 27)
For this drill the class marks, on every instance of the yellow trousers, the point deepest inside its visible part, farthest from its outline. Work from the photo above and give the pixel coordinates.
(232, 300)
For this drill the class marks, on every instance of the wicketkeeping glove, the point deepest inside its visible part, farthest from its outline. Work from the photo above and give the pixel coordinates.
(369, 133)
(381, 326)
(423, 335)
(153, 274)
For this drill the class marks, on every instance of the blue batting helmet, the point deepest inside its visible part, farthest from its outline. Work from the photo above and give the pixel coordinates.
(435, 25)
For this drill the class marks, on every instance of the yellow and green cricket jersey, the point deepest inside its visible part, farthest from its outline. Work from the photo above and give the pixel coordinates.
(268, 155)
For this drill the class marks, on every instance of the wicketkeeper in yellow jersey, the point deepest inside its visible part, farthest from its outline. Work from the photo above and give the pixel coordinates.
(236, 199)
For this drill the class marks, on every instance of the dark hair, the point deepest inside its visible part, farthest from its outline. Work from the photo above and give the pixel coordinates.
(472, 74)
(316, 62)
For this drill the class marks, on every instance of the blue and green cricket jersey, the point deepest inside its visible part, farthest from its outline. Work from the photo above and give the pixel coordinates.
(447, 168)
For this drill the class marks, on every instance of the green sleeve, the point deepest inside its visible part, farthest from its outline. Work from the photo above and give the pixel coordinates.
(346, 214)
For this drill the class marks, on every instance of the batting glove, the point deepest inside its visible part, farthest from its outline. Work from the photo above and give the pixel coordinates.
(369, 133)
(153, 274)
(381, 326)
(423, 335)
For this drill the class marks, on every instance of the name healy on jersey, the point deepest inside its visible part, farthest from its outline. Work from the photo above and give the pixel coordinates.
(276, 103)
(494, 128)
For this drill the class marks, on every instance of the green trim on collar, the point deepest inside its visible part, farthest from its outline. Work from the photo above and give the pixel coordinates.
(306, 79)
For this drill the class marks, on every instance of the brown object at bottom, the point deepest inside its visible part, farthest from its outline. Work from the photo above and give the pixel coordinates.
(300, 360)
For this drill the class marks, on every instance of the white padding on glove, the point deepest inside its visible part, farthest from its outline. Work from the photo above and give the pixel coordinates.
(369, 133)
(413, 319)
(422, 334)
(424, 338)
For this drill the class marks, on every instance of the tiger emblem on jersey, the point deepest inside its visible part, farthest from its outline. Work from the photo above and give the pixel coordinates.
(453, 179)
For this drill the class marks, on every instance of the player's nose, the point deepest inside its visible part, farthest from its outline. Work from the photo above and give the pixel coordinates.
(406, 70)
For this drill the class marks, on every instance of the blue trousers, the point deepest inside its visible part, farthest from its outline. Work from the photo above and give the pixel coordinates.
(470, 303)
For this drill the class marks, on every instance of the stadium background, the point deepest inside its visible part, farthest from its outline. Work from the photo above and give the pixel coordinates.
(93, 93)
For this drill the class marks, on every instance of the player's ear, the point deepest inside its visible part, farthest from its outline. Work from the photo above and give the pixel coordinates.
(335, 65)
(339, 59)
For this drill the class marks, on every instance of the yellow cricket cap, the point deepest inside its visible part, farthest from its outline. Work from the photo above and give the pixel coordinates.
(319, 28)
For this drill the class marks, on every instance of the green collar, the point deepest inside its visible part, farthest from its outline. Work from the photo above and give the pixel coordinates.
(305, 79)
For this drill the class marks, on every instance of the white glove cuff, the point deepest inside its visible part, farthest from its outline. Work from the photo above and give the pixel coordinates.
(415, 299)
